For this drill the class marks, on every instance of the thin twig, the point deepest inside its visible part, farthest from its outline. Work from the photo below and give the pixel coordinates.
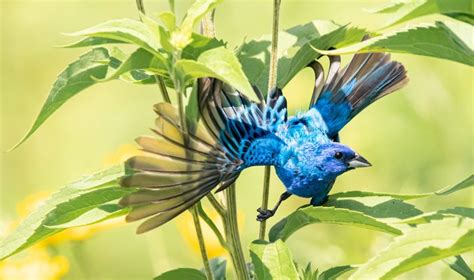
(272, 83)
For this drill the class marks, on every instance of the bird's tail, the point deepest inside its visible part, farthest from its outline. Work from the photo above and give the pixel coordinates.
(177, 171)
(365, 79)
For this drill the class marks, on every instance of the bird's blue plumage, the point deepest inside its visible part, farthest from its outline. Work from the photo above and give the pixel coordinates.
(302, 147)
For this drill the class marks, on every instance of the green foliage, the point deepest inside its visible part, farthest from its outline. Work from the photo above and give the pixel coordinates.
(218, 267)
(272, 260)
(218, 62)
(405, 11)
(124, 30)
(67, 206)
(420, 246)
(458, 264)
(334, 272)
(330, 215)
(182, 273)
(295, 51)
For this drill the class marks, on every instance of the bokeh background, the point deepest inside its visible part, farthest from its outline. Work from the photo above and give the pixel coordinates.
(419, 140)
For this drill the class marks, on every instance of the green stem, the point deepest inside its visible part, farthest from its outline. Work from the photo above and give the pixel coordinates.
(272, 83)
(217, 205)
(232, 235)
(211, 224)
(159, 80)
(202, 246)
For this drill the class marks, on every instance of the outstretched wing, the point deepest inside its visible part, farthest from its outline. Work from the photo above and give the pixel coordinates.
(365, 79)
(246, 129)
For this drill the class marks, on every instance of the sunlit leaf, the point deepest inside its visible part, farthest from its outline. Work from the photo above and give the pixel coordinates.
(422, 245)
(125, 30)
(451, 41)
(272, 260)
(90, 42)
(466, 183)
(33, 229)
(182, 273)
(440, 214)
(139, 60)
(408, 10)
(87, 208)
(220, 63)
(195, 13)
(78, 76)
(168, 19)
(329, 215)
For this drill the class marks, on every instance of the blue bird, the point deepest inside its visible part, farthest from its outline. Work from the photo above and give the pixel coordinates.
(235, 133)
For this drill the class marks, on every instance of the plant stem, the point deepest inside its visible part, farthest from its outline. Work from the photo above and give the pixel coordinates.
(159, 80)
(211, 225)
(232, 235)
(272, 83)
(202, 246)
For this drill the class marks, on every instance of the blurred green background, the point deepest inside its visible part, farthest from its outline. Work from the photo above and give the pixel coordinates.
(418, 140)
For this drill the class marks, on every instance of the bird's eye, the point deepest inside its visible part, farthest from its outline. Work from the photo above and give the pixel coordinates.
(338, 155)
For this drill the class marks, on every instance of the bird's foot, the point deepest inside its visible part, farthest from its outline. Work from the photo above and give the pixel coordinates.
(264, 214)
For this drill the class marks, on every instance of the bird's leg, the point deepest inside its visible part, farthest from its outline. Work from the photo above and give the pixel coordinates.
(267, 213)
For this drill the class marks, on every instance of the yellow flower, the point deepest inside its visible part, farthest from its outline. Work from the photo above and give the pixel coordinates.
(186, 228)
(36, 265)
(121, 154)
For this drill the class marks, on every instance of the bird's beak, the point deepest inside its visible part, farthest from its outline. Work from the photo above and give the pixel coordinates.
(358, 161)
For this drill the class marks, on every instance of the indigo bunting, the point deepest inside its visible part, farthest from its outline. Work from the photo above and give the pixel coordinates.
(184, 164)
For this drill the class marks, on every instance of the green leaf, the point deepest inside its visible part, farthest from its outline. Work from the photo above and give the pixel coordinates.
(451, 41)
(458, 9)
(78, 76)
(272, 260)
(182, 273)
(329, 215)
(468, 182)
(294, 50)
(87, 208)
(422, 245)
(220, 63)
(124, 30)
(91, 41)
(376, 207)
(218, 267)
(195, 13)
(199, 45)
(440, 214)
(33, 229)
(458, 264)
(308, 273)
(169, 20)
(139, 60)
(334, 272)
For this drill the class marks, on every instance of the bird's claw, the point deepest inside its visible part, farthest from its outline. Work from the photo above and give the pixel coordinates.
(264, 214)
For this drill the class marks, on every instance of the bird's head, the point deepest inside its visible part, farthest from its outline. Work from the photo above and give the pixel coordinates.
(335, 158)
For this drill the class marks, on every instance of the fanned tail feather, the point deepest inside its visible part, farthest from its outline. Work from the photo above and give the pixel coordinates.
(177, 171)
